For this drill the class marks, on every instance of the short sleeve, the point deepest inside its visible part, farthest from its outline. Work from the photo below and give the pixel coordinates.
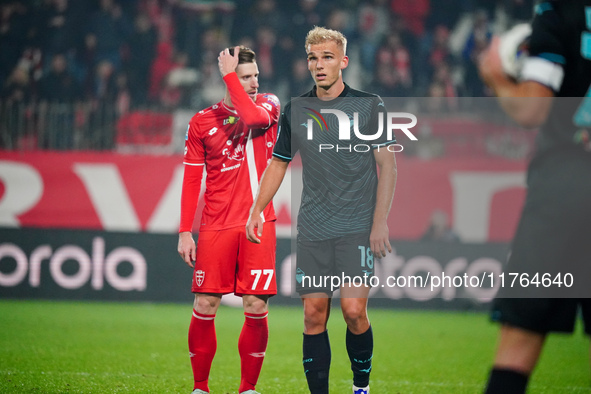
(547, 51)
(271, 104)
(283, 147)
(379, 112)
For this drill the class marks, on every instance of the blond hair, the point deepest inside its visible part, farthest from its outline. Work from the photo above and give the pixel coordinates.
(319, 35)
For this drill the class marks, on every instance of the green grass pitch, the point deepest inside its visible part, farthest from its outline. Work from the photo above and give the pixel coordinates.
(92, 347)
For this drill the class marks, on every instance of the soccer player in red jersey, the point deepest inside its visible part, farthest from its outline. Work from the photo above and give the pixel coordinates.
(233, 140)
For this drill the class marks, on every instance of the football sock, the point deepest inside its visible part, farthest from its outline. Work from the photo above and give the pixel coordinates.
(202, 347)
(317, 362)
(506, 381)
(252, 345)
(360, 350)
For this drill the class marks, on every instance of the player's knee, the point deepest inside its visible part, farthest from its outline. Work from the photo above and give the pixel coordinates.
(255, 304)
(355, 315)
(315, 315)
(207, 304)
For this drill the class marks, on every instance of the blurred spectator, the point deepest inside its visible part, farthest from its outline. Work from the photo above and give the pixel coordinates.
(341, 19)
(13, 33)
(442, 14)
(59, 84)
(434, 50)
(104, 87)
(394, 54)
(372, 25)
(141, 53)
(160, 13)
(123, 101)
(110, 27)
(387, 82)
(17, 88)
(414, 14)
(443, 81)
(59, 93)
(477, 41)
(266, 49)
(300, 79)
(262, 12)
(439, 52)
(309, 13)
(439, 229)
(161, 66)
(109, 90)
(59, 29)
(178, 83)
(15, 101)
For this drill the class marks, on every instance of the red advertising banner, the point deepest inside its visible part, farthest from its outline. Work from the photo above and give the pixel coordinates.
(481, 196)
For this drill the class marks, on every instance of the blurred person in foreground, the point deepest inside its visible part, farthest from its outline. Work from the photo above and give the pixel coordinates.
(552, 236)
(344, 208)
(233, 140)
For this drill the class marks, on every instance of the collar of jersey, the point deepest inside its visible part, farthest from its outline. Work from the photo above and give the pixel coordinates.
(229, 109)
(343, 93)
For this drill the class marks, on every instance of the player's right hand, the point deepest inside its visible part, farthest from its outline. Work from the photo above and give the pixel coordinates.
(187, 248)
(254, 228)
(489, 64)
(227, 63)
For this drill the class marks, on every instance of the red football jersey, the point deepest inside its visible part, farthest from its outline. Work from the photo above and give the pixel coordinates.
(235, 145)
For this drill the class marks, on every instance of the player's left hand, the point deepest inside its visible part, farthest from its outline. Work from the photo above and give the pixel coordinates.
(379, 239)
(228, 63)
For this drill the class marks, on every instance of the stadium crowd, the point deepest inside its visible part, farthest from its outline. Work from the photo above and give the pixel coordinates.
(113, 56)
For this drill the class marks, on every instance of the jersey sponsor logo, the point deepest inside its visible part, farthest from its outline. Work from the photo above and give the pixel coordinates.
(231, 120)
(230, 168)
(213, 131)
(199, 277)
(236, 154)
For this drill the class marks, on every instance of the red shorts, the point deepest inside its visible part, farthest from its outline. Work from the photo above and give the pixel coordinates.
(229, 263)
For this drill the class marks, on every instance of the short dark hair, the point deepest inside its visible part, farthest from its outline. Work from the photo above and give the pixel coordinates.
(245, 55)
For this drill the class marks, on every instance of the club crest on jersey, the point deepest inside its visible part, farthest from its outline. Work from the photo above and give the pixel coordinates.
(199, 277)
(230, 120)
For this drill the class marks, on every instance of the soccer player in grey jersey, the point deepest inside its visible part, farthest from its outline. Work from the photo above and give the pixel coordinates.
(344, 209)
